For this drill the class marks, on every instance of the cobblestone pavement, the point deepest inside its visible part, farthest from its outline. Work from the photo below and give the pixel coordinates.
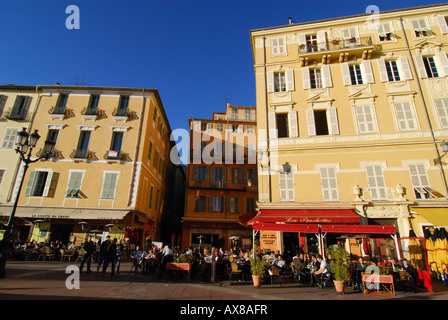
(46, 280)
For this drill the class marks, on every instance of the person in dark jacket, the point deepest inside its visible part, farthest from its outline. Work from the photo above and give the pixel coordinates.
(102, 253)
(406, 266)
(110, 257)
(88, 251)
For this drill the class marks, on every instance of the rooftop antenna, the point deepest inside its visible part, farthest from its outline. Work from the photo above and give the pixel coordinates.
(79, 82)
(227, 99)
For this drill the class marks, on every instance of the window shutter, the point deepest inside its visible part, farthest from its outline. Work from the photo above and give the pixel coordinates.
(322, 40)
(383, 71)
(420, 66)
(326, 76)
(30, 183)
(332, 117)
(290, 80)
(293, 126)
(270, 80)
(302, 39)
(405, 70)
(283, 190)
(290, 186)
(367, 74)
(346, 74)
(376, 182)
(310, 122)
(442, 63)
(442, 111)
(306, 78)
(210, 204)
(274, 46)
(48, 183)
(3, 99)
(442, 24)
(405, 117)
(272, 125)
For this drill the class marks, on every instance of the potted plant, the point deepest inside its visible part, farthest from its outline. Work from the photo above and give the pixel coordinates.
(339, 267)
(257, 268)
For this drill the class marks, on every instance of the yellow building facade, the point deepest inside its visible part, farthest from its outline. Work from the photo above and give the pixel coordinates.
(351, 114)
(108, 172)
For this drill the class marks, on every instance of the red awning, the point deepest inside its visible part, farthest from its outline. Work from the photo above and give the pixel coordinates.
(314, 228)
(318, 216)
(245, 218)
(291, 227)
(361, 229)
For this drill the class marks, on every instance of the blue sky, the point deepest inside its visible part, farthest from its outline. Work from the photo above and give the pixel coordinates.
(195, 52)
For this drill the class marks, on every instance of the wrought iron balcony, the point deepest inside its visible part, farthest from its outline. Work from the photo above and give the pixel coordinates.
(15, 114)
(83, 155)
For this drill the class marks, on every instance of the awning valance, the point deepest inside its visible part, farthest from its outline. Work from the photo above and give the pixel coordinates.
(318, 216)
(64, 213)
(314, 228)
(437, 216)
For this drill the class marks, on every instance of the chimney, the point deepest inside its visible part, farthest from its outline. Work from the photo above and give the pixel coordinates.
(290, 21)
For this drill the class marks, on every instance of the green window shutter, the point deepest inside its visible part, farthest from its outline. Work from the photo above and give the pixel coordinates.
(48, 183)
(110, 180)
(30, 183)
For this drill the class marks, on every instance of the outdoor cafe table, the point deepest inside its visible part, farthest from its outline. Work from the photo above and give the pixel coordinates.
(172, 266)
(376, 284)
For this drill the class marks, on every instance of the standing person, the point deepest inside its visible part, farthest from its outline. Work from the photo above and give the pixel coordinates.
(88, 247)
(119, 254)
(406, 266)
(102, 253)
(110, 257)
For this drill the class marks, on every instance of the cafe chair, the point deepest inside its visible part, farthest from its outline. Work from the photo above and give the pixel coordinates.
(275, 272)
(234, 271)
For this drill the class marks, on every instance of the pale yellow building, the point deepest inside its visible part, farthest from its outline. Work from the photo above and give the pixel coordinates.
(108, 171)
(351, 114)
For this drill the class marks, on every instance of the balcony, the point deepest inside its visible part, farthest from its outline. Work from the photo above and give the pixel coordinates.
(121, 114)
(90, 113)
(57, 112)
(80, 154)
(16, 114)
(336, 48)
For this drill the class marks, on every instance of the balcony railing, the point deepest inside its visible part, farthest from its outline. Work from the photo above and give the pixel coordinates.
(83, 154)
(89, 111)
(336, 44)
(14, 114)
(113, 155)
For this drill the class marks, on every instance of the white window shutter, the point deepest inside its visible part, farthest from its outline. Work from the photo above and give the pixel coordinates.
(270, 80)
(442, 111)
(272, 125)
(326, 76)
(442, 24)
(442, 63)
(322, 40)
(274, 46)
(367, 74)
(30, 183)
(306, 78)
(310, 122)
(48, 183)
(293, 126)
(405, 70)
(240, 128)
(290, 80)
(302, 39)
(420, 66)
(332, 118)
(383, 71)
(346, 74)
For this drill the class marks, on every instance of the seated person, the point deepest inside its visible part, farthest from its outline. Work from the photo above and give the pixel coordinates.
(279, 262)
(324, 269)
(406, 266)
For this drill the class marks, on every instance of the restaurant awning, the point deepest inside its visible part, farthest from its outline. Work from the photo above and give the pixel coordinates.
(245, 218)
(437, 216)
(314, 228)
(319, 216)
(64, 213)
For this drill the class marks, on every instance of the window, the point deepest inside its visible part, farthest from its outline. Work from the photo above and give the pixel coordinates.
(74, 185)
(124, 102)
(200, 203)
(61, 103)
(430, 67)
(279, 82)
(252, 175)
(350, 37)
(151, 192)
(237, 175)
(420, 27)
(20, 108)
(3, 99)
(115, 145)
(9, 138)
(355, 74)
(376, 182)
(392, 70)
(220, 127)
(365, 118)
(150, 151)
(405, 116)
(250, 129)
(199, 173)
(442, 111)
(278, 46)
(443, 24)
(83, 144)
(2, 173)
(311, 43)
(209, 127)
(329, 184)
(94, 100)
(216, 204)
(234, 113)
(109, 184)
(286, 186)
(156, 160)
(247, 114)
(282, 125)
(315, 78)
(154, 118)
(39, 184)
(232, 205)
(420, 181)
(250, 205)
(384, 31)
(322, 122)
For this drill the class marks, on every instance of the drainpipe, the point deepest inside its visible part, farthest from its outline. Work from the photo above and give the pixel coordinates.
(442, 173)
(267, 119)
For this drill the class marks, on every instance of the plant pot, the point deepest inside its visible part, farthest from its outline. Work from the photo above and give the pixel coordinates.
(339, 286)
(257, 281)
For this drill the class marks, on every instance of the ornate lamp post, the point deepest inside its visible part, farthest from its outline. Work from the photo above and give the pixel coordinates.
(25, 144)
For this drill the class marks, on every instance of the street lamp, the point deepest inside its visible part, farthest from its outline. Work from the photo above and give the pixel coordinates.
(444, 146)
(25, 144)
